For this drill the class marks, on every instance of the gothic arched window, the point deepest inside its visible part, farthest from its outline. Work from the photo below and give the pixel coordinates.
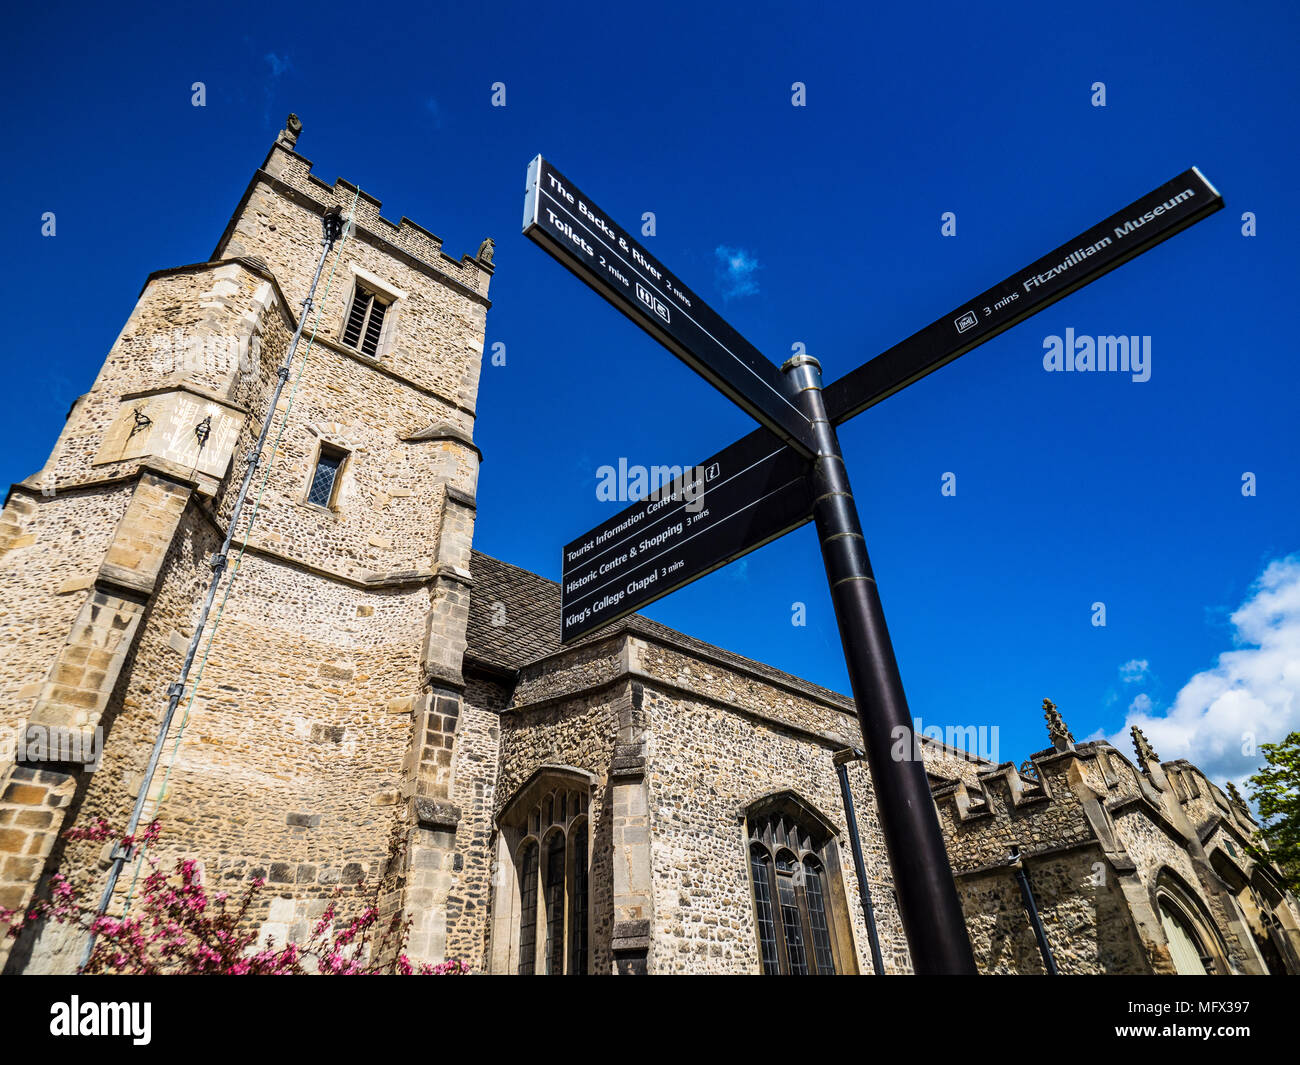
(760, 867)
(578, 899)
(1194, 943)
(1185, 947)
(541, 926)
(797, 906)
(554, 903)
(527, 866)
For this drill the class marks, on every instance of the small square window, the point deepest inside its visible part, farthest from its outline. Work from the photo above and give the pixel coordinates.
(323, 482)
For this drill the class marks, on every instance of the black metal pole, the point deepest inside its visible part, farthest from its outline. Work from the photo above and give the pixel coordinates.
(1027, 896)
(927, 895)
(842, 760)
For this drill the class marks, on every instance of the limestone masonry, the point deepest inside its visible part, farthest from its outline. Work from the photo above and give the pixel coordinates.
(381, 703)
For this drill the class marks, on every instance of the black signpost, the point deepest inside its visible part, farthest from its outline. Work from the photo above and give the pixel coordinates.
(599, 251)
(732, 503)
(777, 477)
(1139, 227)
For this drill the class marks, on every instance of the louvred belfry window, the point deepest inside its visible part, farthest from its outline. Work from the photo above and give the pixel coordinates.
(365, 324)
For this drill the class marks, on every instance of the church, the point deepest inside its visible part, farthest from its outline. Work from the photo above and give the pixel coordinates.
(374, 701)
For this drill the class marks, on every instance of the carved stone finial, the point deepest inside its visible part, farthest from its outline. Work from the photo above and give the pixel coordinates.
(292, 128)
(1057, 731)
(1235, 796)
(1145, 752)
(486, 250)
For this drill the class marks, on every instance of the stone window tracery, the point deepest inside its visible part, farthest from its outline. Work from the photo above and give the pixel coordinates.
(546, 830)
(799, 930)
(528, 907)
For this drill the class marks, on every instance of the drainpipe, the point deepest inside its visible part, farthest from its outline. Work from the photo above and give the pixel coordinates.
(1027, 896)
(332, 229)
(841, 760)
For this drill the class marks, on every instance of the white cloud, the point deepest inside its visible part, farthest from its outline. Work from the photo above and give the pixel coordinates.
(278, 64)
(1141, 705)
(1134, 670)
(1250, 696)
(736, 272)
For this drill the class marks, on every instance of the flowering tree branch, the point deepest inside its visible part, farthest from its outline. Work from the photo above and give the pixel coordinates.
(181, 929)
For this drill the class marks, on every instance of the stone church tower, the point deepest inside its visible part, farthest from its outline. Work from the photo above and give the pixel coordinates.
(323, 721)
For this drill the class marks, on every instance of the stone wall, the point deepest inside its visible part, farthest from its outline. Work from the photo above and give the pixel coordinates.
(474, 792)
(1085, 918)
(50, 550)
(681, 738)
(207, 328)
(706, 764)
(437, 338)
(33, 805)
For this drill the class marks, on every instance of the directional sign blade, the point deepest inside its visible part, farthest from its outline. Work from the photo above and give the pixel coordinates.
(752, 492)
(1139, 227)
(567, 224)
(760, 492)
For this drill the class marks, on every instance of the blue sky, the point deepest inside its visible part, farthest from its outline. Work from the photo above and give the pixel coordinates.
(1071, 489)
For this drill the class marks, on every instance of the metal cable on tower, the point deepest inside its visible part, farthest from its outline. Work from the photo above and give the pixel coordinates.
(332, 226)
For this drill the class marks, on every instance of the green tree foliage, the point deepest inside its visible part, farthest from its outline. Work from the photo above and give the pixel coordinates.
(1276, 790)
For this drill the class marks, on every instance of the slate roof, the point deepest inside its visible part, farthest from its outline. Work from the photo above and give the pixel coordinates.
(532, 631)
(532, 628)
(532, 614)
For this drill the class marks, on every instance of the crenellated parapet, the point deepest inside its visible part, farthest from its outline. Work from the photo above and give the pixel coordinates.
(430, 336)
(1111, 843)
(1206, 805)
(290, 174)
(1033, 807)
(1004, 787)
